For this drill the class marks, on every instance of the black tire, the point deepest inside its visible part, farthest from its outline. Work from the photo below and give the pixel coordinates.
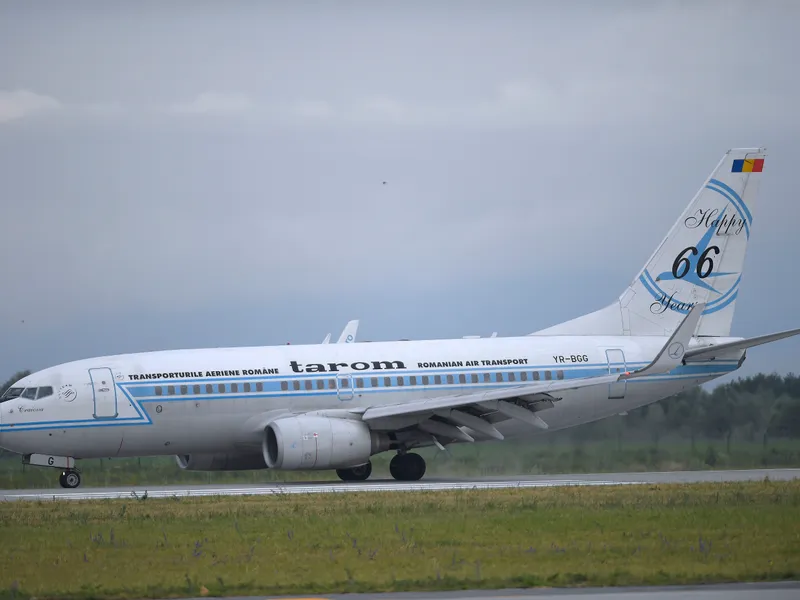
(69, 479)
(360, 473)
(407, 467)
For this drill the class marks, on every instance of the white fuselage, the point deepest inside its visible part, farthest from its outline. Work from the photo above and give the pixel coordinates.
(219, 400)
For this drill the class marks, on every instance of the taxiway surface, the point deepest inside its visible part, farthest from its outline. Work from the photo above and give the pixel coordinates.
(731, 591)
(390, 485)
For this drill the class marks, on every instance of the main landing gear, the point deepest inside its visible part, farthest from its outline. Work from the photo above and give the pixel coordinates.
(407, 467)
(69, 479)
(403, 467)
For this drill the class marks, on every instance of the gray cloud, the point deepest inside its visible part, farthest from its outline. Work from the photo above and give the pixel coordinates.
(193, 172)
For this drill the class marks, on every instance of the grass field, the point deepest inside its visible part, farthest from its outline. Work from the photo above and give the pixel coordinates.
(411, 541)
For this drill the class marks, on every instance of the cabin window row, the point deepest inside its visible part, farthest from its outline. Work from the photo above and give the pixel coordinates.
(413, 380)
(208, 388)
(360, 382)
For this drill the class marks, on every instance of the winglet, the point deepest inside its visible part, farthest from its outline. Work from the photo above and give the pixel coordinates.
(349, 333)
(671, 355)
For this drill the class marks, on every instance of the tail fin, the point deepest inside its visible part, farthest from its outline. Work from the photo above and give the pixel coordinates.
(700, 261)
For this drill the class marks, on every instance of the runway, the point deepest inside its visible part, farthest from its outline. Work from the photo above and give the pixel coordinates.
(391, 485)
(732, 591)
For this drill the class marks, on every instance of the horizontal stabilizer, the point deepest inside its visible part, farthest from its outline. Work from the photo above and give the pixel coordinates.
(671, 355)
(710, 352)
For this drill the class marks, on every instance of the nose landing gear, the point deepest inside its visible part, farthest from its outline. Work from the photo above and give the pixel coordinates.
(70, 476)
(69, 479)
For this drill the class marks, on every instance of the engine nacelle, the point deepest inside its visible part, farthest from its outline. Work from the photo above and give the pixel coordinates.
(314, 443)
(221, 462)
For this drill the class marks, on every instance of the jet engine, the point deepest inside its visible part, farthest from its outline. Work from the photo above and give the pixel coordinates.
(221, 462)
(314, 443)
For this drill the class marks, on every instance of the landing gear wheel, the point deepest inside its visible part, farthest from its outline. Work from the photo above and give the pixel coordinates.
(69, 479)
(407, 467)
(359, 473)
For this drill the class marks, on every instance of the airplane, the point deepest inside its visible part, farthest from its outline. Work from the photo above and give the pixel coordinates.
(335, 406)
(348, 335)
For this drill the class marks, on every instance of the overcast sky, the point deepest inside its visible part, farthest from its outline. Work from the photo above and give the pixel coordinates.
(196, 174)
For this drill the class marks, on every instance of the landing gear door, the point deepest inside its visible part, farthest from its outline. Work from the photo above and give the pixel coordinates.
(104, 392)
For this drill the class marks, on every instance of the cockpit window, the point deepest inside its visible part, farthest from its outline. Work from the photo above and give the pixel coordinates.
(11, 393)
(44, 392)
(29, 393)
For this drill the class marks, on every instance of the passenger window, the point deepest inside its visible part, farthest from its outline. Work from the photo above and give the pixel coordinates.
(320, 384)
(425, 380)
(331, 384)
(171, 390)
(196, 389)
(499, 377)
(259, 387)
(344, 383)
(449, 379)
(401, 381)
(221, 388)
(308, 384)
(512, 376)
(437, 379)
(462, 378)
(487, 378)
(523, 376)
(360, 382)
(387, 381)
(560, 374)
(413, 380)
(284, 385)
(209, 389)
(29, 394)
(296, 384)
(474, 378)
(548, 375)
(536, 375)
(234, 387)
(246, 387)
(184, 390)
(158, 390)
(374, 382)
(44, 392)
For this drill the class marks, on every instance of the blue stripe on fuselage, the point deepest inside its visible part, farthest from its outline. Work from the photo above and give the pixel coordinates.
(146, 390)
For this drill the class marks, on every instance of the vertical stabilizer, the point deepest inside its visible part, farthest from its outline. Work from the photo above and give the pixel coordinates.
(699, 261)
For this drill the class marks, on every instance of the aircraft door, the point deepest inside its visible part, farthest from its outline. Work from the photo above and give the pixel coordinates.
(344, 386)
(616, 365)
(104, 391)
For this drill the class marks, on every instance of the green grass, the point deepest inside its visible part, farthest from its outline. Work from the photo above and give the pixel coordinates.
(322, 544)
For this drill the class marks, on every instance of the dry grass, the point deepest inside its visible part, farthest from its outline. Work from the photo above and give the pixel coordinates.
(411, 541)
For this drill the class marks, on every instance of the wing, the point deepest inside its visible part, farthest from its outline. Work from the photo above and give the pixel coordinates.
(448, 415)
(478, 410)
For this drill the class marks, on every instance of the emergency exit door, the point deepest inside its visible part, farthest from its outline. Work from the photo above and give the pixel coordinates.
(104, 392)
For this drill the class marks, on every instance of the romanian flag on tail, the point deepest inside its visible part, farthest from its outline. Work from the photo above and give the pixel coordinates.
(748, 165)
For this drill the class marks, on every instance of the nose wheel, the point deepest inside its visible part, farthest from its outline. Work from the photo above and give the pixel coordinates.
(69, 479)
